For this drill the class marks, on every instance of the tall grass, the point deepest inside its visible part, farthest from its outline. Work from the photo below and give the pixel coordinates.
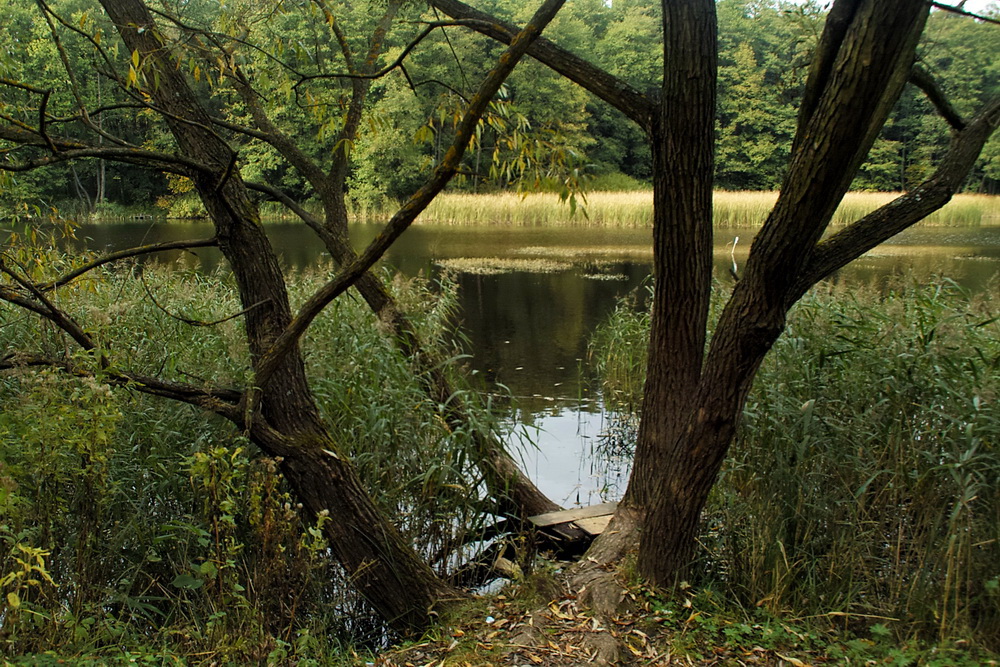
(134, 526)
(634, 209)
(862, 486)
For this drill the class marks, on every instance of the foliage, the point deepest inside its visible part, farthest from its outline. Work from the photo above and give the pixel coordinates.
(702, 624)
(159, 530)
(859, 487)
(764, 49)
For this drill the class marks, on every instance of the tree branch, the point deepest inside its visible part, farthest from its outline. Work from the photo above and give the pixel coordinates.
(125, 254)
(220, 400)
(41, 305)
(417, 202)
(887, 221)
(378, 74)
(189, 321)
(612, 90)
(923, 80)
(282, 197)
(962, 12)
(71, 149)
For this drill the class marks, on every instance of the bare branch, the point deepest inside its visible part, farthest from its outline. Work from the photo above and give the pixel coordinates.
(41, 305)
(417, 202)
(277, 195)
(962, 12)
(195, 323)
(220, 400)
(923, 80)
(887, 221)
(612, 90)
(70, 149)
(125, 254)
(422, 35)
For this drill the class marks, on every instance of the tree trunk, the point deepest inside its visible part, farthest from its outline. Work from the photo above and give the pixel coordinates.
(515, 494)
(864, 59)
(281, 416)
(682, 141)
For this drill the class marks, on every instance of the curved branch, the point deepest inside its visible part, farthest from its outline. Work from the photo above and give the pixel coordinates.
(285, 200)
(887, 221)
(40, 305)
(612, 90)
(220, 400)
(923, 80)
(271, 359)
(422, 35)
(69, 149)
(189, 321)
(125, 254)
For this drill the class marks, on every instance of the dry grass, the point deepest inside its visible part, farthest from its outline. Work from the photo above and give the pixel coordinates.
(635, 209)
(488, 266)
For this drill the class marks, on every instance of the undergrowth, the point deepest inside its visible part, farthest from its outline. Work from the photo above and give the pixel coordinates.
(862, 485)
(133, 527)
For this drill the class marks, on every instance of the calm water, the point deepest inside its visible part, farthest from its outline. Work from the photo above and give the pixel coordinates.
(528, 331)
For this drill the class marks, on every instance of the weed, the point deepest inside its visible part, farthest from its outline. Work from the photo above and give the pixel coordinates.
(862, 483)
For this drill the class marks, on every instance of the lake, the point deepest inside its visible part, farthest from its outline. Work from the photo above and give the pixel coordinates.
(527, 330)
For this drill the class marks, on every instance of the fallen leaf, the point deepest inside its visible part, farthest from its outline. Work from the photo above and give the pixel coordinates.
(794, 661)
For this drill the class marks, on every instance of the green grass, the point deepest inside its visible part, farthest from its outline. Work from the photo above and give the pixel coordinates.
(861, 487)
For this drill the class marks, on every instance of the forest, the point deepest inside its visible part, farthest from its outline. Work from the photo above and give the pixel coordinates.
(269, 464)
(544, 131)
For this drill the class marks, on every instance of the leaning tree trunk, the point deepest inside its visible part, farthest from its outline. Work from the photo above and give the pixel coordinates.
(515, 494)
(281, 415)
(864, 59)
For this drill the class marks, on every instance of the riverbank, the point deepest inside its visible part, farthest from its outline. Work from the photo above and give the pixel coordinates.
(631, 209)
(634, 209)
(534, 622)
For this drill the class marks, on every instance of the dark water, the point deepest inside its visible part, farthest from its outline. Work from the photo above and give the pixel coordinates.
(528, 331)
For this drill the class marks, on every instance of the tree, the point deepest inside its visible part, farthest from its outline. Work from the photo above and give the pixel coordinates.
(696, 386)
(275, 410)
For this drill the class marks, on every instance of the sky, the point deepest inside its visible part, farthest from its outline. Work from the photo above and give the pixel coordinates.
(974, 6)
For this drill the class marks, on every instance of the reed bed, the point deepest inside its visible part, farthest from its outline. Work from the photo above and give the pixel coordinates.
(634, 209)
(862, 486)
(150, 527)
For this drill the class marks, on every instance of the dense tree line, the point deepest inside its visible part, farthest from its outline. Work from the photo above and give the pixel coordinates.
(543, 131)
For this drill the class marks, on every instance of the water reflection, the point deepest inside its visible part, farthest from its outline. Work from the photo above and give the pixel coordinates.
(528, 331)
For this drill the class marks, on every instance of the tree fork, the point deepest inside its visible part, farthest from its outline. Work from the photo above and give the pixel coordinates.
(516, 495)
(280, 414)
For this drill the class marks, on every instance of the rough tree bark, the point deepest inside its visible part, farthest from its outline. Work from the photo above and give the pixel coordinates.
(515, 494)
(279, 413)
(692, 399)
(863, 65)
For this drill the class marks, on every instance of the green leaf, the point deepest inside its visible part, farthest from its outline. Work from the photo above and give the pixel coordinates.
(187, 581)
(13, 600)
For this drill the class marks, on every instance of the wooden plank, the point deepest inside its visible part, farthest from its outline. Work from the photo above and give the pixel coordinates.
(565, 516)
(595, 525)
